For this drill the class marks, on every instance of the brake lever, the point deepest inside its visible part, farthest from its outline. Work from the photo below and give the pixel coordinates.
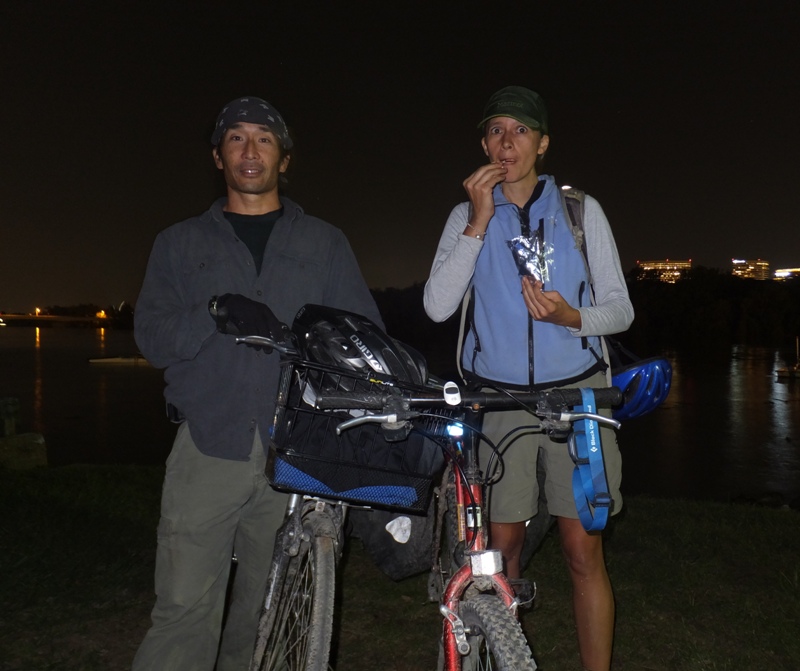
(264, 341)
(388, 418)
(577, 416)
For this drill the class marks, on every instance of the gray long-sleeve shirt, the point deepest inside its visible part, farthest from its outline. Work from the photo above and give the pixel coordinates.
(457, 254)
(223, 389)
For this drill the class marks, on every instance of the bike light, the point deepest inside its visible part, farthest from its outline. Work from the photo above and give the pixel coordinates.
(452, 394)
(455, 430)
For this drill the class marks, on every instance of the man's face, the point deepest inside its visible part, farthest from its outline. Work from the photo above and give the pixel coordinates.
(250, 157)
(513, 144)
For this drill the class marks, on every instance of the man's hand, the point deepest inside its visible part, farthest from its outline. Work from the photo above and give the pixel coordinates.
(240, 316)
(548, 306)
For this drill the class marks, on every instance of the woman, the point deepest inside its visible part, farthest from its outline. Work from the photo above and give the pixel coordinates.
(534, 324)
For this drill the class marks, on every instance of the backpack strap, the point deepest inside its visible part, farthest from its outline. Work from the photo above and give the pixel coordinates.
(466, 314)
(572, 202)
(467, 322)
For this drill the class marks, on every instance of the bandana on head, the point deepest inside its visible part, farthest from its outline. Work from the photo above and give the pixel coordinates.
(251, 110)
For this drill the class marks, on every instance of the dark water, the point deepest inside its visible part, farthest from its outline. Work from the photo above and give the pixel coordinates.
(88, 413)
(729, 429)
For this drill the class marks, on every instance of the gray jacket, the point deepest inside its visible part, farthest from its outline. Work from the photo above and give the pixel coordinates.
(223, 389)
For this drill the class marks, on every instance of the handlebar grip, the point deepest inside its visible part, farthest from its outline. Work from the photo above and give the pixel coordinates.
(608, 397)
(604, 397)
(350, 400)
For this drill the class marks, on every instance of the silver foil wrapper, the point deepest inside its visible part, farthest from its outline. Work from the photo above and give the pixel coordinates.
(532, 257)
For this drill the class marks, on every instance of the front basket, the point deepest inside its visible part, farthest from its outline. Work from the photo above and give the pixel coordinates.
(360, 466)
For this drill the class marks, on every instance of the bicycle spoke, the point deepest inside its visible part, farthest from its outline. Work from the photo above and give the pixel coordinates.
(301, 633)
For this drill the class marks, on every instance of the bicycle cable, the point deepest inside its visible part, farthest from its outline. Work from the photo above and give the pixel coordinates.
(498, 450)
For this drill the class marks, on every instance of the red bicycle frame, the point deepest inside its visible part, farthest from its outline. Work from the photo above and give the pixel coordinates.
(482, 567)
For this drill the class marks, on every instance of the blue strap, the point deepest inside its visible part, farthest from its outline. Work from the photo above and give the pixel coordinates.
(589, 484)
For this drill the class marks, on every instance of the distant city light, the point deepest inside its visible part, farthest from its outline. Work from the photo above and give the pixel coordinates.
(753, 269)
(664, 269)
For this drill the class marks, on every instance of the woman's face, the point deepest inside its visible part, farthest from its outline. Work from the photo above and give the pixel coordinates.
(516, 146)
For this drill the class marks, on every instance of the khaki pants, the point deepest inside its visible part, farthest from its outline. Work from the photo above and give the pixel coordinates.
(210, 508)
(515, 497)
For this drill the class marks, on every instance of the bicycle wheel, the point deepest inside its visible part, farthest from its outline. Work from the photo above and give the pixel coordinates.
(300, 638)
(495, 637)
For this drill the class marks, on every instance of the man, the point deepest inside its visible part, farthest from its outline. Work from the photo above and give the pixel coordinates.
(250, 250)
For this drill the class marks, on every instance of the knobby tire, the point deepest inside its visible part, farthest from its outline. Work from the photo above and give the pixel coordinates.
(495, 637)
(300, 639)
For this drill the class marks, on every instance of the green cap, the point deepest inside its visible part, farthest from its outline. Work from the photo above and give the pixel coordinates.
(518, 103)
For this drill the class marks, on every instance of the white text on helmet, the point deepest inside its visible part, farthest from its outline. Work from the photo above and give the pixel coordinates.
(366, 352)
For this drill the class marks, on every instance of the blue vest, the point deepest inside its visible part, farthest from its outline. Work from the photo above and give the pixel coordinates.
(497, 346)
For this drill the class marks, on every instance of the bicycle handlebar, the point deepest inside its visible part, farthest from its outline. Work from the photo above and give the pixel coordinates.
(549, 405)
(396, 408)
(605, 397)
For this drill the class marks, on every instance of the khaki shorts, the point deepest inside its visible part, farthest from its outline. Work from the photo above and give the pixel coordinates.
(515, 496)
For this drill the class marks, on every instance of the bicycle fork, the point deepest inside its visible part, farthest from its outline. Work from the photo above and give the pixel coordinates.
(484, 570)
(481, 570)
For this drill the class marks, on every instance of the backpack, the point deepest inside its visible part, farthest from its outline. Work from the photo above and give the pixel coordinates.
(572, 201)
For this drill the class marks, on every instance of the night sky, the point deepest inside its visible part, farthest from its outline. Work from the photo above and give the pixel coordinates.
(682, 119)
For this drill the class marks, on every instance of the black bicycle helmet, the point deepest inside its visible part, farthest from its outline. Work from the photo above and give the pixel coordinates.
(350, 341)
(644, 384)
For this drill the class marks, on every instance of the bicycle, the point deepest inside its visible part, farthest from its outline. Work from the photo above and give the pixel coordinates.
(325, 476)
(343, 437)
(479, 604)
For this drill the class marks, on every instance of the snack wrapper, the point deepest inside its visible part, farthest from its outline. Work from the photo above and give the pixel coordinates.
(532, 256)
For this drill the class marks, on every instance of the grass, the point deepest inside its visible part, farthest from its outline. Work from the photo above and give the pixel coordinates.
(700, 586)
